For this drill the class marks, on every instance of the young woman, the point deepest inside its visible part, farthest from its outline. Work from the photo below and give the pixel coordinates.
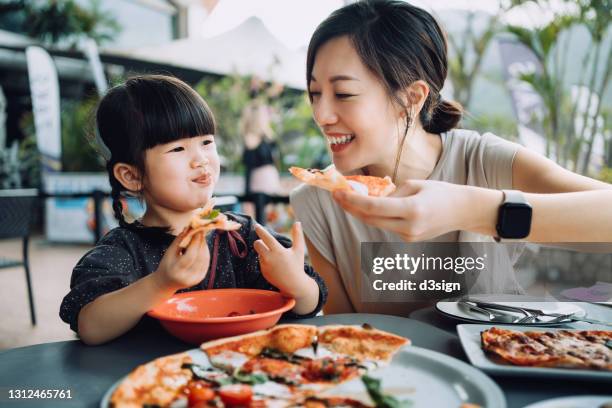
(375, 70)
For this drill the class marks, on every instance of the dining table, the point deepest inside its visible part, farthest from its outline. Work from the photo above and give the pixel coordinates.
(85, 373)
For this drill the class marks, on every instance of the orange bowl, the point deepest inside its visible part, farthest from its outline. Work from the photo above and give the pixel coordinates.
(203, 315)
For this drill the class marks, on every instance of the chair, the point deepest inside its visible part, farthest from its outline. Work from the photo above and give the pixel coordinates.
(17, 215)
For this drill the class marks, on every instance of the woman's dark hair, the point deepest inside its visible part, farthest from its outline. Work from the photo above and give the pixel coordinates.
(400, 44)
(142, 113)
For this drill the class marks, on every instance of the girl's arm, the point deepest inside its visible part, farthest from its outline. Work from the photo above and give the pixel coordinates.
(284, 268)
(113, 314)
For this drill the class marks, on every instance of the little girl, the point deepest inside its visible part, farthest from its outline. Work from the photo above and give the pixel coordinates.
(160, 134)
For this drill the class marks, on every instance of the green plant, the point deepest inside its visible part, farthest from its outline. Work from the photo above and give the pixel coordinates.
(78, 153)
(58, 21)
(605, 175)
(468, 49)
(500, 125)
(227, 97)
(296, 132)
(568, 143)
(20, 165)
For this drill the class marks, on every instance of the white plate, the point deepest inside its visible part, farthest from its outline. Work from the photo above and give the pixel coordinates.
(469, 335)
(425, 377)
(453, 310)
(581, 401)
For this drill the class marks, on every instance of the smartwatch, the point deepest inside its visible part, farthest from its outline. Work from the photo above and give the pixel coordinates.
(514, 217)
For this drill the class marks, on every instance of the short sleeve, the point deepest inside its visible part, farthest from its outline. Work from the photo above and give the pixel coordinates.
(308, 209)
(497, 158)
(102, 270)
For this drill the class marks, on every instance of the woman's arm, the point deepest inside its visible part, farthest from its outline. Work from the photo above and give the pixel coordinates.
(338, 301)
(567, 207)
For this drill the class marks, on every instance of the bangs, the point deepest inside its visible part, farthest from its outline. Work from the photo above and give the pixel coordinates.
(166, 109)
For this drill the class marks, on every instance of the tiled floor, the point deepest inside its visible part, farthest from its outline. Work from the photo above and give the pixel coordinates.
(50, 266)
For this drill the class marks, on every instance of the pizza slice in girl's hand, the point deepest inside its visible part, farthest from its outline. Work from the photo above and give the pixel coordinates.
(208, 219)
(331, 179)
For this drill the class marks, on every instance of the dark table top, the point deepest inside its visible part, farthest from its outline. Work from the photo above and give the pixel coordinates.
(88, 372)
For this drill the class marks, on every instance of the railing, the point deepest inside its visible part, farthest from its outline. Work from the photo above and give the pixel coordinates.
(260, 200)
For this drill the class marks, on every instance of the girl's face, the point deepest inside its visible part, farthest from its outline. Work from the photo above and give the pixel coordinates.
(352, 108)
(181, 175)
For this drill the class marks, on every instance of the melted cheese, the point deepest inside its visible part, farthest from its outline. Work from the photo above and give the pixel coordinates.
(272, 389)
(358, 187)
(229, 359)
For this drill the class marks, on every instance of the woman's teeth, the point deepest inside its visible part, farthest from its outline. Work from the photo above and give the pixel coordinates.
(335, 140)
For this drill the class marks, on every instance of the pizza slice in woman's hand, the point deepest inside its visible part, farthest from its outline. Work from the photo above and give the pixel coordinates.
(332, 180)
(208, 219)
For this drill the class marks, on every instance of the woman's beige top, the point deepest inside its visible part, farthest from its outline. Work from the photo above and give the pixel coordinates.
(467, 158)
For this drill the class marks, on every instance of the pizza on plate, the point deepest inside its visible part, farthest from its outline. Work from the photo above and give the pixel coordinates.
(207, 219)
(331, 179)
(288, 365)
(582, 349)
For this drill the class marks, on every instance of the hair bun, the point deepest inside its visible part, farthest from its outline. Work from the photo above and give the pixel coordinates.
(445, 116)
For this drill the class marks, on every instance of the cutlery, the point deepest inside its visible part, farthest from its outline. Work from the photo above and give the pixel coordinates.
(537, 313)
(491, 314)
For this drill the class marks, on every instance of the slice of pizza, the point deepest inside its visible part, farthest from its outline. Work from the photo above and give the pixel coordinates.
(208, 219)
(332, 180)
(233, 352)
(157, 383)
(365, 343)
(521, 349)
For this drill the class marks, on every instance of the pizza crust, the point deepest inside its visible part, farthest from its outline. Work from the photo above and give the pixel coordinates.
(158, 382)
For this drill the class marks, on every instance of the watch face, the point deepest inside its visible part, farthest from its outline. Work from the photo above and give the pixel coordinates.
(514, 220)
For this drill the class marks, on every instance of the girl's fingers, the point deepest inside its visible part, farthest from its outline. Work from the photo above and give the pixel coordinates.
(267, 238)
(261, 248)
(194, 248)
(297, 236)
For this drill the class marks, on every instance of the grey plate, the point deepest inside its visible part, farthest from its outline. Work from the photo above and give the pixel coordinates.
(469, 334)
(579, 401)
(425, 377)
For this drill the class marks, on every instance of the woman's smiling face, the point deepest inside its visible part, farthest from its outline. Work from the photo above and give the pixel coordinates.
(352, 108)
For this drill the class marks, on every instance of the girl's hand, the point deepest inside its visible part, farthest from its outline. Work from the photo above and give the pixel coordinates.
(182, 269)
(417, 211)
(282, 267)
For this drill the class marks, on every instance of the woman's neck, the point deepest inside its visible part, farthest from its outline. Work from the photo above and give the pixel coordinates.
(156, 216)
(420, 154)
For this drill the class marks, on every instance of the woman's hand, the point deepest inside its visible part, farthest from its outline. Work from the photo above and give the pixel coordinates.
(418, 210)
(182, 269)
(282, 267)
